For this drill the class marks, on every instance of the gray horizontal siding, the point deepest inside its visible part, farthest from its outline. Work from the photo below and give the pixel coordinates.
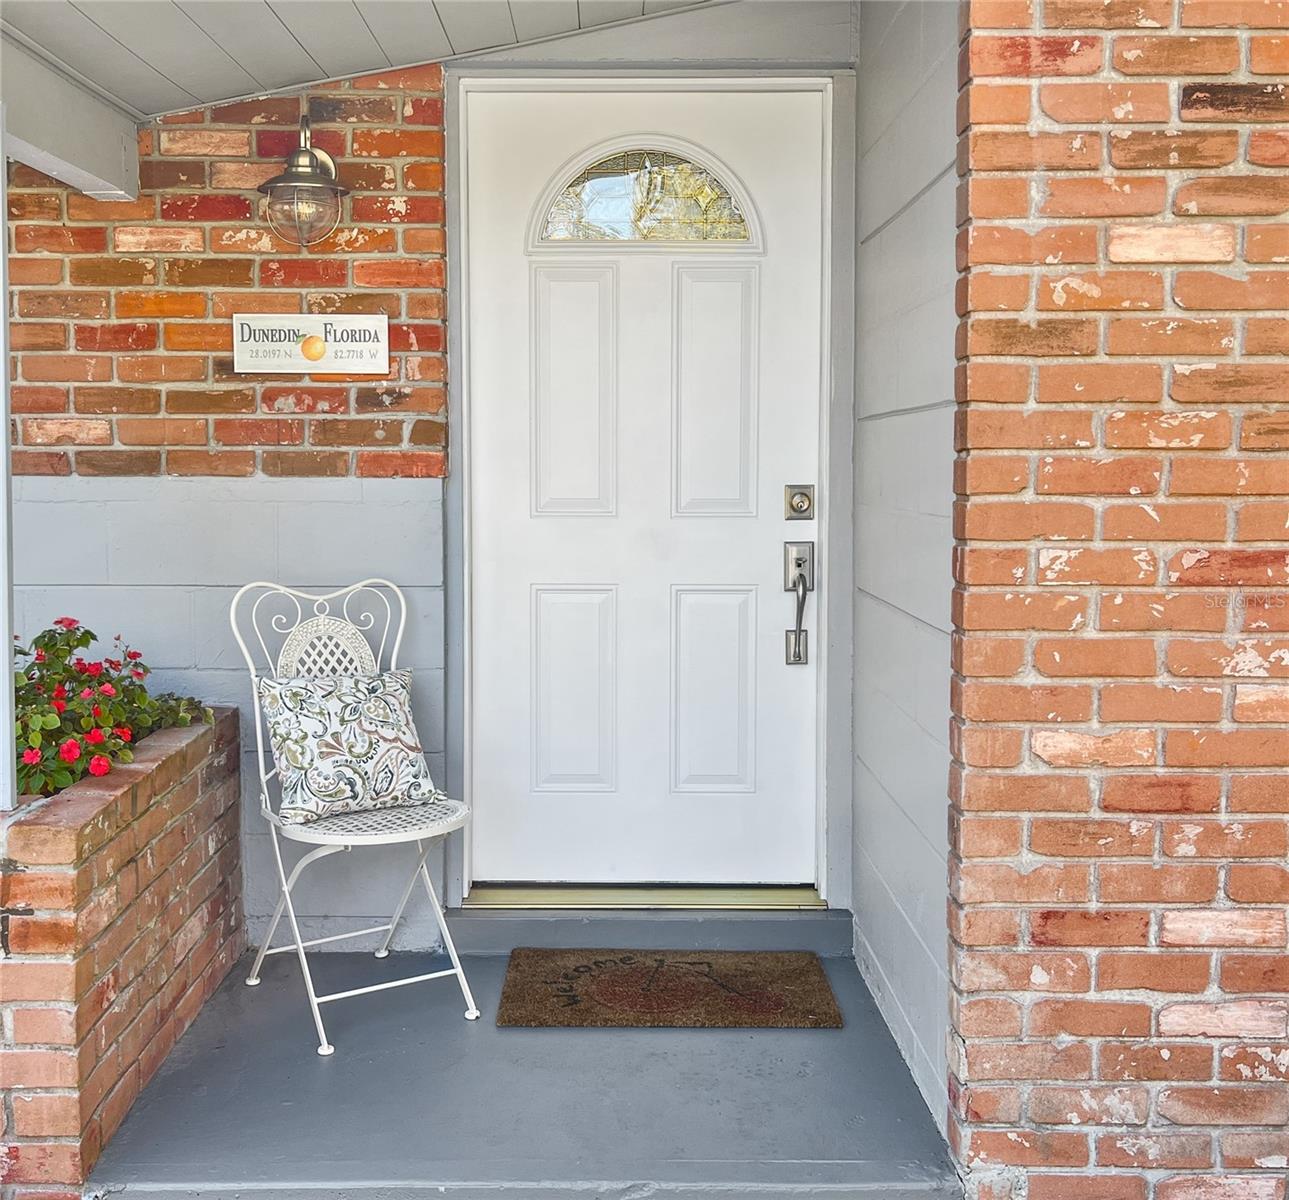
(159, 560)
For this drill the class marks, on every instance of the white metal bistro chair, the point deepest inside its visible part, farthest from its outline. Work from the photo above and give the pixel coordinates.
(344, 632)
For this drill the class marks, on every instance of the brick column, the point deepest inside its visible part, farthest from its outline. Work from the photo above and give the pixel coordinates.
(120, 907)
(1119, 798)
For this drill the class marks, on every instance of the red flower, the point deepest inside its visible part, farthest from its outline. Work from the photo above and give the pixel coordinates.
(94, 669)
(114, 663)
(107, 689)
(70, 750)
(96, 711)
(86, 693)
(67, 623)
(95, 736)
(60, 692)
(31, 757)
(100, 764)
(40, 656)
(123, 732)
(134, 655)
(59, 705)
(137, 673)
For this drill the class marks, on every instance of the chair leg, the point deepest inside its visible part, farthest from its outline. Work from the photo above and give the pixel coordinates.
(324, 1047)
(472, 1010)
(253, 979)
(383, 952)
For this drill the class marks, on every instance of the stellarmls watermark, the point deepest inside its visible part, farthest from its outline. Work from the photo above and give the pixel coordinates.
(1264, 600)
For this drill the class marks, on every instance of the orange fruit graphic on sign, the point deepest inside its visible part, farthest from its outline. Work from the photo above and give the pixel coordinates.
(313, 347)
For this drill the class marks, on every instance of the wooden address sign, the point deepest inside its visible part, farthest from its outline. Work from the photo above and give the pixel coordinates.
(284, 343)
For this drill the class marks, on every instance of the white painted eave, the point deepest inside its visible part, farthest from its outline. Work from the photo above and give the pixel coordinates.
(56, 125)
(153, 57)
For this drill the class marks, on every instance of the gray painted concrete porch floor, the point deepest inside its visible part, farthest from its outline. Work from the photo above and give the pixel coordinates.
(418, 1101)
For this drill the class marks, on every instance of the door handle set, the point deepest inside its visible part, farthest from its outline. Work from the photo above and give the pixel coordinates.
(798, 578)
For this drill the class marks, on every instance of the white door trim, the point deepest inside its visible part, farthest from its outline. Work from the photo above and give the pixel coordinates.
(833, 594)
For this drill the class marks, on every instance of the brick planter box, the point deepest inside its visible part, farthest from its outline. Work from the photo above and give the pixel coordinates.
(120, 912)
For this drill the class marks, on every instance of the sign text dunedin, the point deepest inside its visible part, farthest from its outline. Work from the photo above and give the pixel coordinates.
(278, 343)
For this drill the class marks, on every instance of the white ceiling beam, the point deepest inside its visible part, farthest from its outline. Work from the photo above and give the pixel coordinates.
(57, 127)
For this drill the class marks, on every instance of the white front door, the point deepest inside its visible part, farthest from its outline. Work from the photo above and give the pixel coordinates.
(644, 272)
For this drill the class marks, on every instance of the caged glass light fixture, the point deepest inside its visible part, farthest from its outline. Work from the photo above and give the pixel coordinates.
(304, 201)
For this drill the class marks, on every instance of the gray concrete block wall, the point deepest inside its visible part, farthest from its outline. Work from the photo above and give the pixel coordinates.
(159, 560)
(907, 84)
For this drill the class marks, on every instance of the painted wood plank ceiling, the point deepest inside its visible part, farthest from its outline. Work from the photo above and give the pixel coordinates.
(155, 56)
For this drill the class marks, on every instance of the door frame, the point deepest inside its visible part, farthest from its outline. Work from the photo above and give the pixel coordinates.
(834, 523)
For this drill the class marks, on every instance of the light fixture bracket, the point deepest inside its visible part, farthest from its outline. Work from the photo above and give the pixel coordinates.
(304, 200)
(307, 166)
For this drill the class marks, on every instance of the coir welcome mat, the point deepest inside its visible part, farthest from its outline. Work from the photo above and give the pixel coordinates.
(703, 989)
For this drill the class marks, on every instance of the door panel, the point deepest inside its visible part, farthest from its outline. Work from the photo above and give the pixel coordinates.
(634, 412)
(575, 390)
(713, 703)
(714, 448)
(574, 673)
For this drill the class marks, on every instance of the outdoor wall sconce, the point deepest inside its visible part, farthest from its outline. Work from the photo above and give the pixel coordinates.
(304, 201)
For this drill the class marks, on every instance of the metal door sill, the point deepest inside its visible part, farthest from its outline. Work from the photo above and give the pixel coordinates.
(628, 896)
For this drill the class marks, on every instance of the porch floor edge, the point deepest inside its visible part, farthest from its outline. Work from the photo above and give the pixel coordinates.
(598, 1190)
(416, 1101)
(480, 931)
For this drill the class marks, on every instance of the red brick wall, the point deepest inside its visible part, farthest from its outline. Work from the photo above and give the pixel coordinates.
(1121, 688)
(120, 905)
(121, 310)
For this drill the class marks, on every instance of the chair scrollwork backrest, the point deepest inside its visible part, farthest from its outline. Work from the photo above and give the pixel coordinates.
(284, 632)
(323, 645)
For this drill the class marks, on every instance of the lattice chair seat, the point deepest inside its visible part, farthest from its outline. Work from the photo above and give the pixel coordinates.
(381, 826)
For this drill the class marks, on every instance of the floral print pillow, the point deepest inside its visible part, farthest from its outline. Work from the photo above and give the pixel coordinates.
(344, 744)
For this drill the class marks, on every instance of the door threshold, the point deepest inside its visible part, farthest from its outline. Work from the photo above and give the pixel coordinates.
(628, 896)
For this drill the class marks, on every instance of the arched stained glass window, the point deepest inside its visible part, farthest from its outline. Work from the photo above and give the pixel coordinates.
(645, 195)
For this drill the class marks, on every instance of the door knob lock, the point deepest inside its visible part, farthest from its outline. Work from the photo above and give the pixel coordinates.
(798, 578)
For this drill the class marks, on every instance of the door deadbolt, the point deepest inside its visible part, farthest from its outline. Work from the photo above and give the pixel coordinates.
(799, 502)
